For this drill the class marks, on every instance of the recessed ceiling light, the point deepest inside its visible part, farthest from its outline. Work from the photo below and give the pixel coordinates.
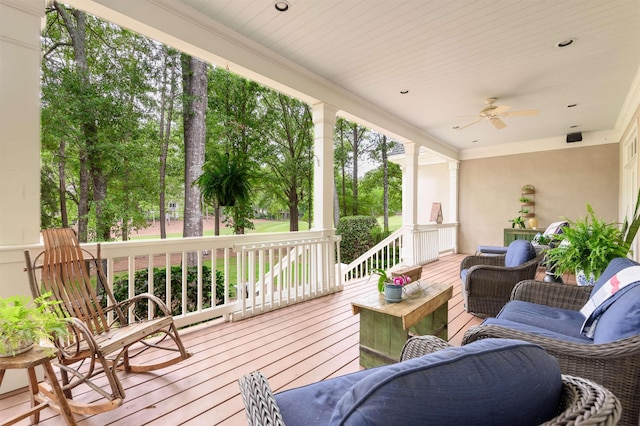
(572, 105)
(474, 141)
(565, 43)
(281, 6)
(455, 127)
(574, 126)
(404, 92)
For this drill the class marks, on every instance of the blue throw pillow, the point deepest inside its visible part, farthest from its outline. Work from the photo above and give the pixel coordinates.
(610, 330)
(621, 319)
(615, 266)
(519, 252)
(488, 382)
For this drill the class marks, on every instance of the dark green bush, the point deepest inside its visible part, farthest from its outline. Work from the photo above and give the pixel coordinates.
(357, 236)
(159, 282)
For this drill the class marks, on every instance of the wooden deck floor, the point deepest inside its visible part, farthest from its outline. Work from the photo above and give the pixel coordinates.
(293, 346)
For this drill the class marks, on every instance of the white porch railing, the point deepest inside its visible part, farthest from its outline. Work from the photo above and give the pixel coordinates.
(310, 273)
(429, 242)
(276, 274)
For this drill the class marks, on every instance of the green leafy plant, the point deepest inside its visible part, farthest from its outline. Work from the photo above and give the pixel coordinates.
(589, 245)
(525, 200)
(518, 221)
(24, 321)
(383, 278)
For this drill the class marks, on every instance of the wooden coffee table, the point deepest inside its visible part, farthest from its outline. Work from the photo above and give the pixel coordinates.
(385, 327)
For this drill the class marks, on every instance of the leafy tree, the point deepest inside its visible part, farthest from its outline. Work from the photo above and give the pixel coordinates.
(94, 95)
(234, 128)
(288, 156)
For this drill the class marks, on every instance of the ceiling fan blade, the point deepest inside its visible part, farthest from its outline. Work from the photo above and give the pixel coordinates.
(500, 109)
(470, 124)
(521, 113)
(497, 123)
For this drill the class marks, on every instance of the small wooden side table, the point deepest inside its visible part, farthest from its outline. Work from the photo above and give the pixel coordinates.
(29, 360)
(385, 327)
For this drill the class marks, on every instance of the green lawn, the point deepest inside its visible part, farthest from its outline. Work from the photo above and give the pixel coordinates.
(395, 222)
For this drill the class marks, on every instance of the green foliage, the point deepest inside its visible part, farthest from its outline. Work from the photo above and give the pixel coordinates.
(357, 236)
(120, 288)
(587, 244)
(225, 180)
(24, 321)
(518, 221)
(630, 227)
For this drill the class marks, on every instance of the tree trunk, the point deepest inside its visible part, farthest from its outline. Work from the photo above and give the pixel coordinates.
(385, 185)
(77, 34)
(62, 183)
(165, 136)
(195, 90)
(356, 143)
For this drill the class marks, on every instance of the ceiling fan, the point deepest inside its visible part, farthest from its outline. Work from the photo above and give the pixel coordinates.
(495, 113)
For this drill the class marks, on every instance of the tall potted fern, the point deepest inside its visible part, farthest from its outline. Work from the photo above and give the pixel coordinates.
(587, 245)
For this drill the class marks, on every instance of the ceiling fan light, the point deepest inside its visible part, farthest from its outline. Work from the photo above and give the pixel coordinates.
(281, 6)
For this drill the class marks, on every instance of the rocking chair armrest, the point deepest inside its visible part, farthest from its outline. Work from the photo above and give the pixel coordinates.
(143, 296)
(81, 334)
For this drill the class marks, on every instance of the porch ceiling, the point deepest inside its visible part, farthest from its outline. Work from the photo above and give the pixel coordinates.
(450, 56)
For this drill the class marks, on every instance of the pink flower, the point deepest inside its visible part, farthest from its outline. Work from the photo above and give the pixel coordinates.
(401, 280)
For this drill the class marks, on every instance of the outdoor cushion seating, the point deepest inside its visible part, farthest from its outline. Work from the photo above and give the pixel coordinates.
(549, 314)
(495, 381)
(487, 281)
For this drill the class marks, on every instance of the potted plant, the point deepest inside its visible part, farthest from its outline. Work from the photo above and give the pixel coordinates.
(24, 322)
(391, 287)
(587, 246)
(518, 221)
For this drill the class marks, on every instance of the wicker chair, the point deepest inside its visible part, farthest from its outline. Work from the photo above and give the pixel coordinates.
(487, 284)
(583, 401)
(614, 365)
(104, 335)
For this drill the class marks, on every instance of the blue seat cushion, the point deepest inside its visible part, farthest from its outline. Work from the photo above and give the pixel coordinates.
(561, 322)
(313, 404)
(488, 382)
(538, 331)
(519, 252)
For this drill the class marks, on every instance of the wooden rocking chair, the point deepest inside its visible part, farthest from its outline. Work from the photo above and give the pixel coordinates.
(104, 335)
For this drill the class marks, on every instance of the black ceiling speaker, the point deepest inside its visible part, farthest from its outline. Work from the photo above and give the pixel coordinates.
(574, 137)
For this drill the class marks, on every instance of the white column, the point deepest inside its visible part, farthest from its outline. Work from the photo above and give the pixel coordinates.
(409, 202)
(452, 214)
(20, 24)
(324, 120)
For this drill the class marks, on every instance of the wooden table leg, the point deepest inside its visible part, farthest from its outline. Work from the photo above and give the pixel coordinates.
(33, 392)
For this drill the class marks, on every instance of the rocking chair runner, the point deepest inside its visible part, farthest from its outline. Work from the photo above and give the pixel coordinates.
(104, 336)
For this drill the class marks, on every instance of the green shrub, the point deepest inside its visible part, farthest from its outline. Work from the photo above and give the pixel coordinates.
(357, 236)
(120, 286)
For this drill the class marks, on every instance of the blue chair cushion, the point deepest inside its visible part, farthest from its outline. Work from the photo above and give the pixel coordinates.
(492, 250)
(538, 331)
(488, 382)
(561, 322)
(519, 252)
(313, 404)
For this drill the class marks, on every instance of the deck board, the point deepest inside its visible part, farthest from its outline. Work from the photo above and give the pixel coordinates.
(293, 346)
